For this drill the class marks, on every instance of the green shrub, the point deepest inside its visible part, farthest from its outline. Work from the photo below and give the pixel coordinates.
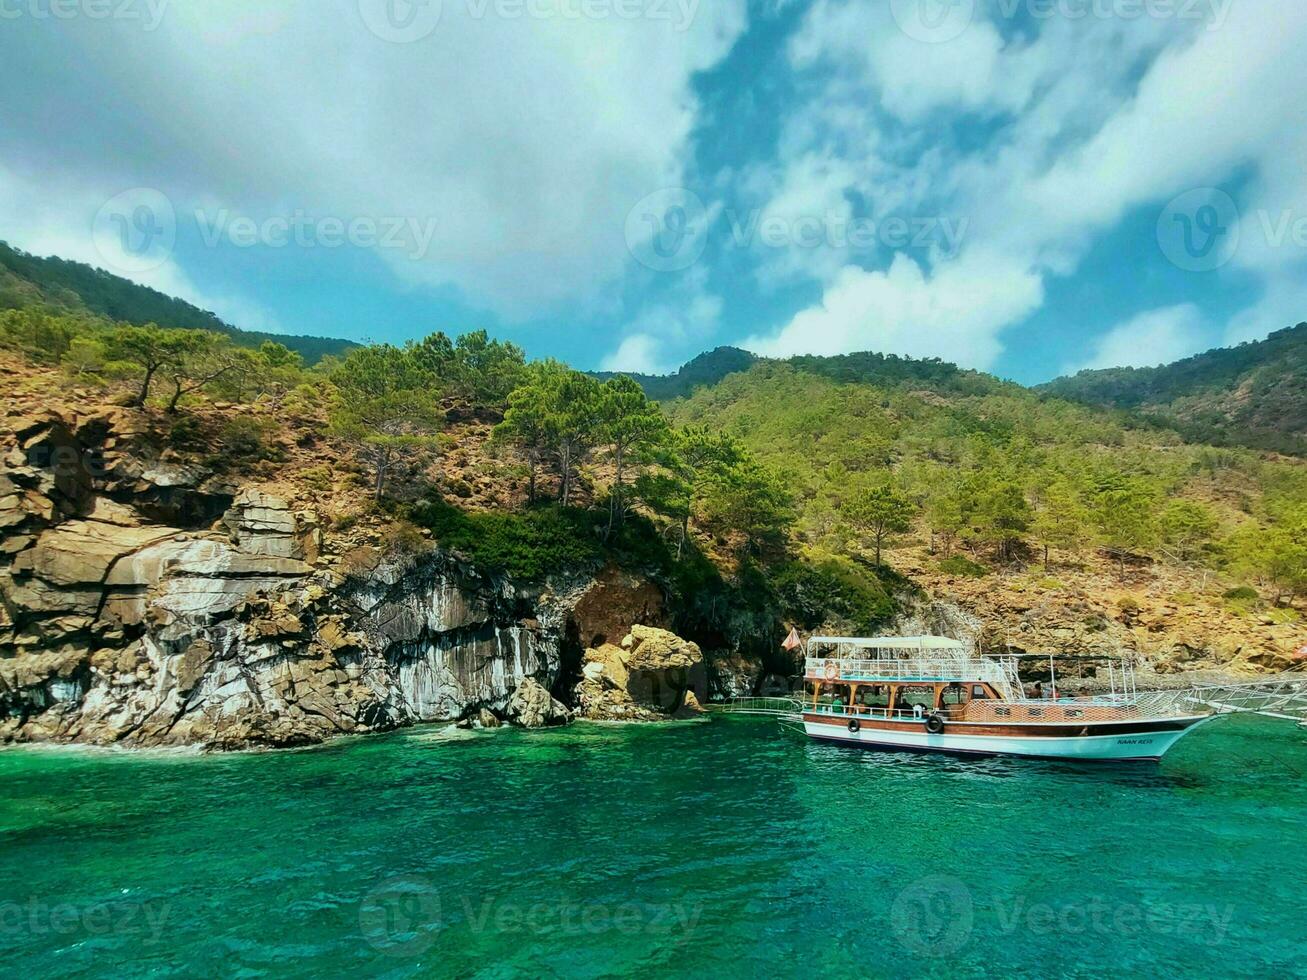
(244, 440)
(187, 434)
(1243, 593)
(529, 545)
(964, 566)
(818, 591)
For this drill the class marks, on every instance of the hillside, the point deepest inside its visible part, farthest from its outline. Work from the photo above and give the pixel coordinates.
(1251, 395)
(706, 369)
(1054, 524)
(58, 285)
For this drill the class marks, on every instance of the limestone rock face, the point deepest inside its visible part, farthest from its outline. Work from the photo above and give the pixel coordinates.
(532, 706)
(225, 625)
(647, 678)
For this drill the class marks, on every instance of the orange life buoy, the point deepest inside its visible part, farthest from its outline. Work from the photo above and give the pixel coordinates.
(832, 670)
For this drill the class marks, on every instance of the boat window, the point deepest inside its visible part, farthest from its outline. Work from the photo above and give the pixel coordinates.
(1074, 713)
(1036, 712)
(953, 694)
(978, 691)
(1003, 712)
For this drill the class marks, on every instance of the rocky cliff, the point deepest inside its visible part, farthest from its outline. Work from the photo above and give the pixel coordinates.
(145, 604)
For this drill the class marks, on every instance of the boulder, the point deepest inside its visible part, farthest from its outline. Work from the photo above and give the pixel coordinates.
(654, 649)
(532, 706)
(647, 678)
(690, 708)
(261, 524)
(488, 719)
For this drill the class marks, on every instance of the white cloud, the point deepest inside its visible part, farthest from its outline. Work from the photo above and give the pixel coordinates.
(954, 312)
(1149, 339)
(1282, 304)
(1083, 122)
(639, 353)
(655, 343)
(45, 216)
(528, 140)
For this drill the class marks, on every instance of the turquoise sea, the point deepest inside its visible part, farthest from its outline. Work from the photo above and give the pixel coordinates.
(717, 848)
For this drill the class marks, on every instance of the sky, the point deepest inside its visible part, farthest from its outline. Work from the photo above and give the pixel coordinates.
(1028, 187)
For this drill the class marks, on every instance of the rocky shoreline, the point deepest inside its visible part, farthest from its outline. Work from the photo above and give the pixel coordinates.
(147, 602)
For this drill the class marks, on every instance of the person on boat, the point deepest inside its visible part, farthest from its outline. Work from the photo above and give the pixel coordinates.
(1039, 690)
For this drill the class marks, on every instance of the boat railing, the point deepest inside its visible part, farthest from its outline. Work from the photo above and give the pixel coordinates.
(1084, 710)
(775, 706)
(951, 669)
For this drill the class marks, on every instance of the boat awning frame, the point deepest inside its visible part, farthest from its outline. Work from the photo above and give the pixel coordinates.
(890, 642)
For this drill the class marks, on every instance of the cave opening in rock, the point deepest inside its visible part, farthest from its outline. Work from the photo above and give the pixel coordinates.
(571, 652)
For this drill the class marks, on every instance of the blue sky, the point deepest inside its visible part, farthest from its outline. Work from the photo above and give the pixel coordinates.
(1029, 187)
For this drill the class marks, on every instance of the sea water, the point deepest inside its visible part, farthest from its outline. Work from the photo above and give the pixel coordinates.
(721, 848)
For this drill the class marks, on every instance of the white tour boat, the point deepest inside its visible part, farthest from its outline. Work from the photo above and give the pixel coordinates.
(928, 693)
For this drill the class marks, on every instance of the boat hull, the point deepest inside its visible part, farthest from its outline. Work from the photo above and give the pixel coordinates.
(1136, 742)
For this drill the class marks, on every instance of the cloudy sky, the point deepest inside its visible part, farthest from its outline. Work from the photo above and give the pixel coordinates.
(1024, 186)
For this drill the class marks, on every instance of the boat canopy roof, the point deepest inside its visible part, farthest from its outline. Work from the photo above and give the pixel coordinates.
(891, 642)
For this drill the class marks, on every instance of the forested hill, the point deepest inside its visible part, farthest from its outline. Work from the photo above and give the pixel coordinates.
(1251, 395)
(706, 369)
(865, 367)
(60, 286)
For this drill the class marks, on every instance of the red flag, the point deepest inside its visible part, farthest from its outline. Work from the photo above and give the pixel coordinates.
(792, 642)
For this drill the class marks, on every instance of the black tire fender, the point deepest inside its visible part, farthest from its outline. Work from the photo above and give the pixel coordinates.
(854, 725)
(935, 724)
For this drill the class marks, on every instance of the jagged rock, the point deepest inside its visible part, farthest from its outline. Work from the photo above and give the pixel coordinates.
(262, 524)
(654, 649)
(690, 708)
(84, 552)
(488, 719)
(615, 600)
(532, 706)
(645, 679)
